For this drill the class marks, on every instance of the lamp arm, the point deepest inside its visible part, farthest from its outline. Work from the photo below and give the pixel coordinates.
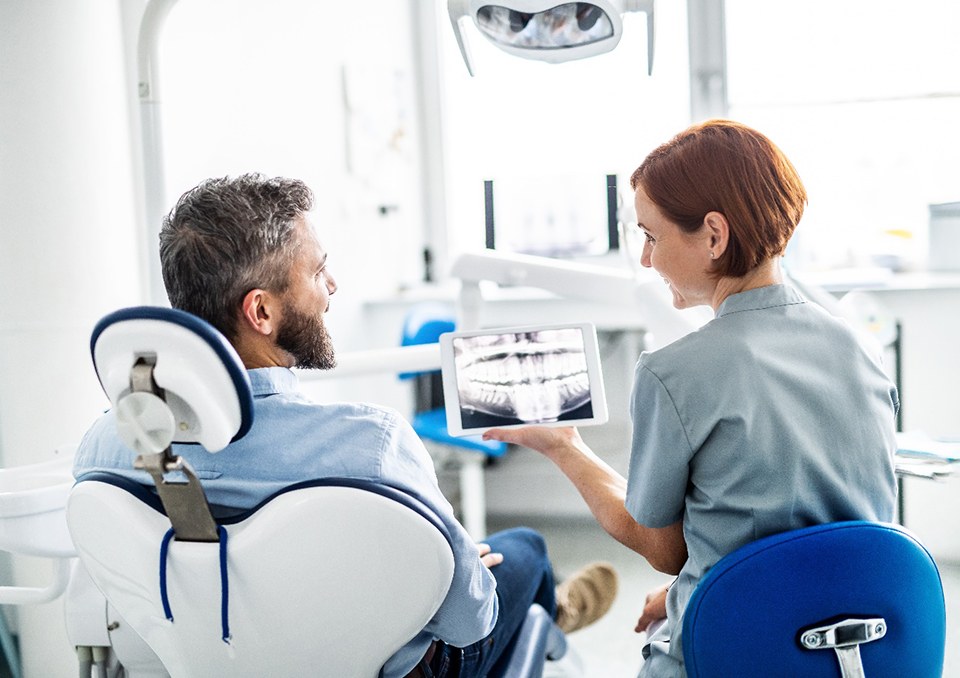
(424, 357)
(650, 36)
(647, 7)
(598, 284)
(459, 10)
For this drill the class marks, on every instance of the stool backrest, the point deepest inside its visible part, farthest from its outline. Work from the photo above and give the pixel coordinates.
(755, 612)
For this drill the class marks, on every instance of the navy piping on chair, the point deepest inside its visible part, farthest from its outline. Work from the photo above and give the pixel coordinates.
(202, 329)
(138, 490)
(150, 498)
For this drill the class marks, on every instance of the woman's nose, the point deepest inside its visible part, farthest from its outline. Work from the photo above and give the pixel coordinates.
(645, 255)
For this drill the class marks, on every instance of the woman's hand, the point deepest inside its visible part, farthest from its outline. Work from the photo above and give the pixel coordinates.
(654, 608)
(543, 439)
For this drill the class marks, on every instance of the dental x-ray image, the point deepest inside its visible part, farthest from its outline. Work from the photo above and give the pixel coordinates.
(522, 378)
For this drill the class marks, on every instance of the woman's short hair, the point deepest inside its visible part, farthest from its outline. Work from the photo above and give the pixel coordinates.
(228, 236)
(727, 167)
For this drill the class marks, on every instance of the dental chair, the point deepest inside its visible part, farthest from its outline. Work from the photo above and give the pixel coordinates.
(328, 577)
(843, 599)
(424, 324)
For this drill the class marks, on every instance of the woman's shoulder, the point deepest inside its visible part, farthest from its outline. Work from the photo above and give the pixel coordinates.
(690, 349)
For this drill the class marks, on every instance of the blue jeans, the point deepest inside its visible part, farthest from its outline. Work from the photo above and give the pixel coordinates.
(523, 578)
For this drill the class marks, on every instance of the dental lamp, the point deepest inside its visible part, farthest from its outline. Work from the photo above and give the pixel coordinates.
(547, 31)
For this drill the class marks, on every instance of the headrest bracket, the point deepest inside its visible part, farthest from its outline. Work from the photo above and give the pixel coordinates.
(183, 499)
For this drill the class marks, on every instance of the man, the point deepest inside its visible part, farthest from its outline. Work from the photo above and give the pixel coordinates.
(241, 254)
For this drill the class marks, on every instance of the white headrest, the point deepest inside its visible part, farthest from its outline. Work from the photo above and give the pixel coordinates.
(207, 390)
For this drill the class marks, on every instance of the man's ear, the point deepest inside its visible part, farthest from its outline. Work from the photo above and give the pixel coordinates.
(259, 312)
(718, 233)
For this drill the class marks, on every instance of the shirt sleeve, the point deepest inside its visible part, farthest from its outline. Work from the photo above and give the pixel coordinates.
(660, 454)
(469, 611)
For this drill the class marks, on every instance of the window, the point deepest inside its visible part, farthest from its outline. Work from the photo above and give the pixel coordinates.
(863, 96)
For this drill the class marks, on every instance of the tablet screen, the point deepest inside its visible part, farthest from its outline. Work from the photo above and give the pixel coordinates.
(543, 375)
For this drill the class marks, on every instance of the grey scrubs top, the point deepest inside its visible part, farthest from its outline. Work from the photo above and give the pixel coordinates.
(769, 418)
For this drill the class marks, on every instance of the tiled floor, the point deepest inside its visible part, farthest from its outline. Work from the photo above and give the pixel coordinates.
(610, 648)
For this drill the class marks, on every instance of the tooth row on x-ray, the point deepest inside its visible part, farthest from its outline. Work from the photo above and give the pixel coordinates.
(531, 376)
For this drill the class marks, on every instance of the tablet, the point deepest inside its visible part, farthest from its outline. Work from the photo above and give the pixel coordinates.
(548, 375)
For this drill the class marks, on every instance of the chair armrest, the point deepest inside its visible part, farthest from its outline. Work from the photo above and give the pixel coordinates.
(538, 638)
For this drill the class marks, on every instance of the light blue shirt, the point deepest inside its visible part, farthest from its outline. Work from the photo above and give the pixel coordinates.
(293, 439)
(769, 418)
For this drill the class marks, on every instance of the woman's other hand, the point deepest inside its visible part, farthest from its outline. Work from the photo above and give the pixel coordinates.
(654, 608)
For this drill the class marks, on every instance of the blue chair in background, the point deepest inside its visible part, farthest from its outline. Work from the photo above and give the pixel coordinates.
(424, 324)
(866, 596)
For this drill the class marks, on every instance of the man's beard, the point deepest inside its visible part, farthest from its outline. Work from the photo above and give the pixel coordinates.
(305, 337)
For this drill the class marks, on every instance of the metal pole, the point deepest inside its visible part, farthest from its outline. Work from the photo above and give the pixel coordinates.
(151, 128)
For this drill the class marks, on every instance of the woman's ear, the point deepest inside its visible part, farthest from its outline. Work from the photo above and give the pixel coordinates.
(718, 233)
(258, 311)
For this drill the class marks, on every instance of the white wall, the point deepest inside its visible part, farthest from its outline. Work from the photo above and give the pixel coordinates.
(71, 202)
(315, 90)
(67, 246)
(930, 401)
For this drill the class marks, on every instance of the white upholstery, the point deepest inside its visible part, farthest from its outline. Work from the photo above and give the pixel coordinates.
(322, 581)
(198, 388)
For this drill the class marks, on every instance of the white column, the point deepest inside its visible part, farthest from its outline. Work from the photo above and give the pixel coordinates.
(68, 245)
(706, 29)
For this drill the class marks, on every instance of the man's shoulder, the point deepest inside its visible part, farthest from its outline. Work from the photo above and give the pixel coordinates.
(342, 420)
(355, 410)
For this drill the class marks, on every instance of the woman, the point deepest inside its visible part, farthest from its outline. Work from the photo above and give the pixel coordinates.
(769, 418)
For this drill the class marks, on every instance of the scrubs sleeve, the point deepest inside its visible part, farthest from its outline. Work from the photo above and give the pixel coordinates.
(470, 609)
(660, 454)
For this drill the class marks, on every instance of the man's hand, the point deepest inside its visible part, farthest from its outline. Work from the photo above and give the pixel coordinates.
(654, 609)
(487, 558)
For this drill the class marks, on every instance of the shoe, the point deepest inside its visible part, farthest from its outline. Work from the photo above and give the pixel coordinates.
(585, 596)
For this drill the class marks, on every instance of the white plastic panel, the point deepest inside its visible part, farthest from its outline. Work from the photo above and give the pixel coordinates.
(327, 577)
(206, 406)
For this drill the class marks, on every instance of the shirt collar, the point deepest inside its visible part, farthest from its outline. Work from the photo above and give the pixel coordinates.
(270, 380)
(760, 298)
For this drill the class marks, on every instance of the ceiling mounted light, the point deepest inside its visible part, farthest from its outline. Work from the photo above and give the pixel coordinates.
(547, 31)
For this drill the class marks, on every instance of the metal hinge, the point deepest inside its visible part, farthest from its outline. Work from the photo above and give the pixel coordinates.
(845, 638)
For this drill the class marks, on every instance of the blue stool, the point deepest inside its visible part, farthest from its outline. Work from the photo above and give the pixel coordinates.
(424, 324)
(866, 596)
